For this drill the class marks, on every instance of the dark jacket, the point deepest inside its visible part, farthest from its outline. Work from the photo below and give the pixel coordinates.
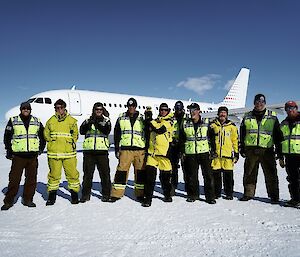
(100, 123)
(8, 135)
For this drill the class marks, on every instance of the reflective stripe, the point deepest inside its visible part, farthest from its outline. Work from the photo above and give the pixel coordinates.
(59, 134)
(61, 155)
(139, 133)
(97, 135)
(293, 137)
(197, 138)
(138, 186)
(118, 186)
(24, 136)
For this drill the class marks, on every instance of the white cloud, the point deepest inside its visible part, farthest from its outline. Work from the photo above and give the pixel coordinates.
(229, 84)
(201, 84)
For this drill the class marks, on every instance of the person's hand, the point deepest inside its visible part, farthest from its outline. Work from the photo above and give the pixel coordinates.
(236, 157)
(281, 162)
(213, 155)
(9, 155)
(117, 154)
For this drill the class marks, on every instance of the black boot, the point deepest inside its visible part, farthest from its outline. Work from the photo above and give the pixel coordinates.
(51, 198)
(74, 197)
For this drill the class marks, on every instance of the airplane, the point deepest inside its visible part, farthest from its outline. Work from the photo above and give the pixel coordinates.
(80, 102)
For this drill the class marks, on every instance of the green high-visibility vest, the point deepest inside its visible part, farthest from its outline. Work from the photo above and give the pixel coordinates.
(23, 140)
(260, 134)
(291, 143)
(132, 136)
(196, 142)
(95, 140)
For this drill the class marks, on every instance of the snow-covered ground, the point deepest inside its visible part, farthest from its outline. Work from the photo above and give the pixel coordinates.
(124, 228)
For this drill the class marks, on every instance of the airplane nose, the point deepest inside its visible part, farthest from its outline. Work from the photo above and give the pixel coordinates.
(12, 112)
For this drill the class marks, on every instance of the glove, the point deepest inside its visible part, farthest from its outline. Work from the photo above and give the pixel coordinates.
(281, 162)
(9, 155)
(117, 154)
(236, 157)
(213, 155)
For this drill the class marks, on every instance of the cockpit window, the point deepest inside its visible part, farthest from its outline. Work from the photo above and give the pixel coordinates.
(39, 100)
(31, 100)
(48, 100)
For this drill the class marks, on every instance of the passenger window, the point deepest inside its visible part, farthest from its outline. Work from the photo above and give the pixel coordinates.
(48, 100)
(156, 108)
(39, 100)
(31, 100)
(143, 107)
(104, 104)
(109, 105)
(115, 105)
(120, 105)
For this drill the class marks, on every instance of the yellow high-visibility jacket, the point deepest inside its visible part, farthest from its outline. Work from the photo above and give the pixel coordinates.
(61, 133)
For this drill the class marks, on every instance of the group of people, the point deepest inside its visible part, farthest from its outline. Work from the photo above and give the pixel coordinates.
(149, 144)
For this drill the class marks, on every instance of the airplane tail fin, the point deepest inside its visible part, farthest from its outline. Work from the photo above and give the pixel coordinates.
(236, 97)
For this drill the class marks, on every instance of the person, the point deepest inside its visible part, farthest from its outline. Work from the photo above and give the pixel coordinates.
(157, 155)
(227, 149)
(61, 133)
(290, 128)
(198, 148)
(174, 146)
(129, 142)
(95, 152)
(24, 141)
(259, 132)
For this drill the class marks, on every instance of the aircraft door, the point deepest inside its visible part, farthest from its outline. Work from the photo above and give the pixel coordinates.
(74, 103)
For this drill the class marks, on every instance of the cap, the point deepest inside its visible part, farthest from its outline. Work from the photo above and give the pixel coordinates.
(260, 97)
(97, 105)
(194, 106)
(25, 105)
(163, 106)
(60, 102)
(178, 106)
(223, 108)
(290, 104)
(131, 102)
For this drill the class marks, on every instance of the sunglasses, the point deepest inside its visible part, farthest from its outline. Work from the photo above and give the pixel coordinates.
(290, 108)
(163, 109)
(26, 108)
(59, 107)
(99, 109)
(260, 101)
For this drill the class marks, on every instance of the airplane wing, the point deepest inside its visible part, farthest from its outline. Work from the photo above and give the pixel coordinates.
(237, 114)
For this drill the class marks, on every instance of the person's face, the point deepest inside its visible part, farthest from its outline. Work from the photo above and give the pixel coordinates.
(163, 111)
(25, 111)
(131, 109)
(98, 111)
(291, 111)
(195, 113)
(222, 116)
(60, 109)
(259, 105)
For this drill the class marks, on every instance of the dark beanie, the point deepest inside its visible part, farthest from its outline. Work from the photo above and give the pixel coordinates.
(60, 102)
(259, 97)
(222, 108)
(163, 106)
(131, 102)
(97, 105)
(25, 105)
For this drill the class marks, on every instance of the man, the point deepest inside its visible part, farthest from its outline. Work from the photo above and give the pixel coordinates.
(161, 131)
(174, 147)
(129, 149)
(290, 128)
(95, 152)
(259, 132)
(226, 138)
(24, 141)
(198, 147)
(61, 133)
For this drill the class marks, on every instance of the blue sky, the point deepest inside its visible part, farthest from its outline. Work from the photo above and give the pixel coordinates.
(149, 47)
